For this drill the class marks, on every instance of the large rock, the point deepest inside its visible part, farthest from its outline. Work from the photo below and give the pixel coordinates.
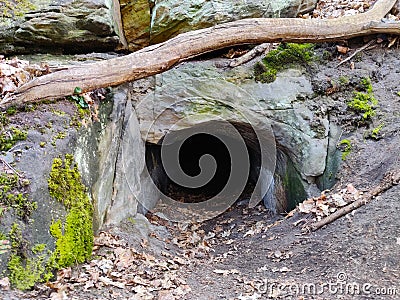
(62, 26)
(156, 21)
(208, 92)
(196, 93)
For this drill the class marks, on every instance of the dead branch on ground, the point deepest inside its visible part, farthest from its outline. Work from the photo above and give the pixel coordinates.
(390, 179)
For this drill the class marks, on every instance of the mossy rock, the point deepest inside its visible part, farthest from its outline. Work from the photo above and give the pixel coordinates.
(285, 56)
(74, 237)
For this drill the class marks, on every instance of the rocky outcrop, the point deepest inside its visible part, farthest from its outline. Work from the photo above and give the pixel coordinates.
(62, 26)
(149, 22)
(197, 93)
(82, 26)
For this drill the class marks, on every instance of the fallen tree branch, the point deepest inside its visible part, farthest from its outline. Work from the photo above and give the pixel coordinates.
(370, 43)
(390, 179)
(250, 55)
(158, 58)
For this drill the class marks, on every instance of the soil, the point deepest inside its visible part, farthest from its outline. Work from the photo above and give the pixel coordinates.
(250, 254)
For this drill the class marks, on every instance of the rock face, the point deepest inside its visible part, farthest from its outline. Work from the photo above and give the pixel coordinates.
(80, 26)
(83, 26)
(152, 22)
(195, 93)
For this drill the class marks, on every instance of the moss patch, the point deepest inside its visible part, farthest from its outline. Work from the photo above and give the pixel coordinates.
(8, 138)
(364, 102)
(17, 8)
(345, 146)
(25, 272)
(75, 236)
(59, 136)
(13, 195)
(375, 133)
(286, 55)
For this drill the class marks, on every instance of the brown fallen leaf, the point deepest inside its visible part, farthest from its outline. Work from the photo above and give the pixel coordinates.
(60, 295)
(108, 281)
(342, 49)
(124, 258)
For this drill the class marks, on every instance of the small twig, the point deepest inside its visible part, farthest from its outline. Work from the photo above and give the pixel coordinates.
(10, 167)
(390, 179)
(370, 43)
(250, 55)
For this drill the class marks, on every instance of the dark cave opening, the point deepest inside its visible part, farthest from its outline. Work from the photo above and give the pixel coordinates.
(288, 189)
(191, 150)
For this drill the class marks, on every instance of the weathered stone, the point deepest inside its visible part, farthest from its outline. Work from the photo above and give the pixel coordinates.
(171, 17)
(136, 19)
(153, 22)
(63, 26)
(199, 92)
(107, 153)
(202, 89)
(129, 166)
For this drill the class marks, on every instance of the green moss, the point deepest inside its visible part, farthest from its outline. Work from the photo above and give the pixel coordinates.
(15, 236)
(74, 238)
(212, 107)
(131, 220)
(38, 248)
(343, 80)
(12, 194)
(364, 103)
(59, 136)
(286, 55)
(42, 144)
(366, 84)
(375, 132)
(58, 112)
(346, 148)
(8, 138)
(398, 94)
(16, 8)
(49, 125)
(24, 272)
(12, 110)
(3, 120)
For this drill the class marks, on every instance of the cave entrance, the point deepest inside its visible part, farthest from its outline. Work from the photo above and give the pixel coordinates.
(287, 191)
